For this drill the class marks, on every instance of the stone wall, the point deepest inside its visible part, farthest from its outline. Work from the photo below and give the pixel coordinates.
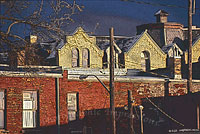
(195, 53)
(145, 43)
(80, 40)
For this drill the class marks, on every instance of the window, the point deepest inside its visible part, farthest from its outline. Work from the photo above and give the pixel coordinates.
(2, 108)
(72, 105)
(105, 60)
(75, 57)
(86, 58)
(145, 61)
(29, 109)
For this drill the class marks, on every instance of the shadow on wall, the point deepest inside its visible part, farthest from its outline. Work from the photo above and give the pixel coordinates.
(97, 121)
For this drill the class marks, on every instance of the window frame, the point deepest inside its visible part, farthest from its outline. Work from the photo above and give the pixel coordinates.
(4, 109)
(86, 59)
(145, 61)
(75, 109)
(34, 109)
(77, 59)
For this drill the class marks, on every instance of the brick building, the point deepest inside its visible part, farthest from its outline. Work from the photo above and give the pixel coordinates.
(48, 99)
(30, 98)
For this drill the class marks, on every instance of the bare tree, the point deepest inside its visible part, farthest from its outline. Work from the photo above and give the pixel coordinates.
(47, 19)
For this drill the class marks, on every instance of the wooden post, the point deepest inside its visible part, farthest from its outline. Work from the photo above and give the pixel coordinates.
(112, 91)
(141, 118)
(130, 109)
(189, 46)
(198, 116)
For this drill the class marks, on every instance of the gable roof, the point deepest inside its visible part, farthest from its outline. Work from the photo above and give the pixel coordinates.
(126, 44)
(195, 41)
(166, 48)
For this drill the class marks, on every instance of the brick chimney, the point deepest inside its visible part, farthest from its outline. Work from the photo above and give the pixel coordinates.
(175, 67)
(161, 16)
(32, 39)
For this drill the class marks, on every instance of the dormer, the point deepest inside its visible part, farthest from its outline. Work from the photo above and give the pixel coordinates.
(161, 16)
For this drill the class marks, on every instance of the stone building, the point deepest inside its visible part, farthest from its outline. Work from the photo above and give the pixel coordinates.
(48, 99)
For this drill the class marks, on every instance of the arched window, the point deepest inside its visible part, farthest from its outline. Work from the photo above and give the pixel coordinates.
(75, 57)
(121, 60)
(105, 60)
(86, 58)
(145, 61)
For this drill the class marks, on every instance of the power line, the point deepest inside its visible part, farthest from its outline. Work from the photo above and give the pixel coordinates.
(157, 4)
(164, 112)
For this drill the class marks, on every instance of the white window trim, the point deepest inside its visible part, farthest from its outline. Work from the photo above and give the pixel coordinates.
(30, 99)
(2, 109)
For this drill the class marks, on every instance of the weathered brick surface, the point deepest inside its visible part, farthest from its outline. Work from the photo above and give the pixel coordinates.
(196, 87)
(177, 88)
(92, 95)
(14, 88)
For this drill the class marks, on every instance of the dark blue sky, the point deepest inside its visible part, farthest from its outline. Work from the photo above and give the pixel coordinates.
(124, 16)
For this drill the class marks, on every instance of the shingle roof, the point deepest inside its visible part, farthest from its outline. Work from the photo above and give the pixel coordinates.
(126, 44)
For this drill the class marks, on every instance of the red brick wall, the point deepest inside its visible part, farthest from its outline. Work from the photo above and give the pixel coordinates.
(15, 87)
(92, 95)
(177, 88)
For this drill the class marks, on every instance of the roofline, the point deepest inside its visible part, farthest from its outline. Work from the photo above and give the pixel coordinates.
(175, 45)
(141, 35)
(193, 28)
(196, 41)
(155, 43)
(32, 66)
(107, 36)
(29, 74)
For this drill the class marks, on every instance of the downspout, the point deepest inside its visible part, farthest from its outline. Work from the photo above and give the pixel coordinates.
(57, 106)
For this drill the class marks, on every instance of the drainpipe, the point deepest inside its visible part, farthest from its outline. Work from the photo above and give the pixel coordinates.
(57, 106)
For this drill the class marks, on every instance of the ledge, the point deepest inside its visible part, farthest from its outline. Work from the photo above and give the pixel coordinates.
(4, 131)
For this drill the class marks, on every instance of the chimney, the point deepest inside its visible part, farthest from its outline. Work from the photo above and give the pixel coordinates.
(12, 59)
(175, 67)
(161, 16)
(32, 39)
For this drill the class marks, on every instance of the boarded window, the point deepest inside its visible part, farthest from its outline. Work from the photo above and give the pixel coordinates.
(86, 58)
(2, 108)
(29, 109)
(72, 105)
(75, 57)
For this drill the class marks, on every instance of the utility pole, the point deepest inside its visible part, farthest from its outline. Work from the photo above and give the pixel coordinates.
(112, 91)
(130, 109)
(189, 46)
(198, 117)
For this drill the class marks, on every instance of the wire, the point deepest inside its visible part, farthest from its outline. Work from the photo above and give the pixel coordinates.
(156, 4)
(164, 112)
